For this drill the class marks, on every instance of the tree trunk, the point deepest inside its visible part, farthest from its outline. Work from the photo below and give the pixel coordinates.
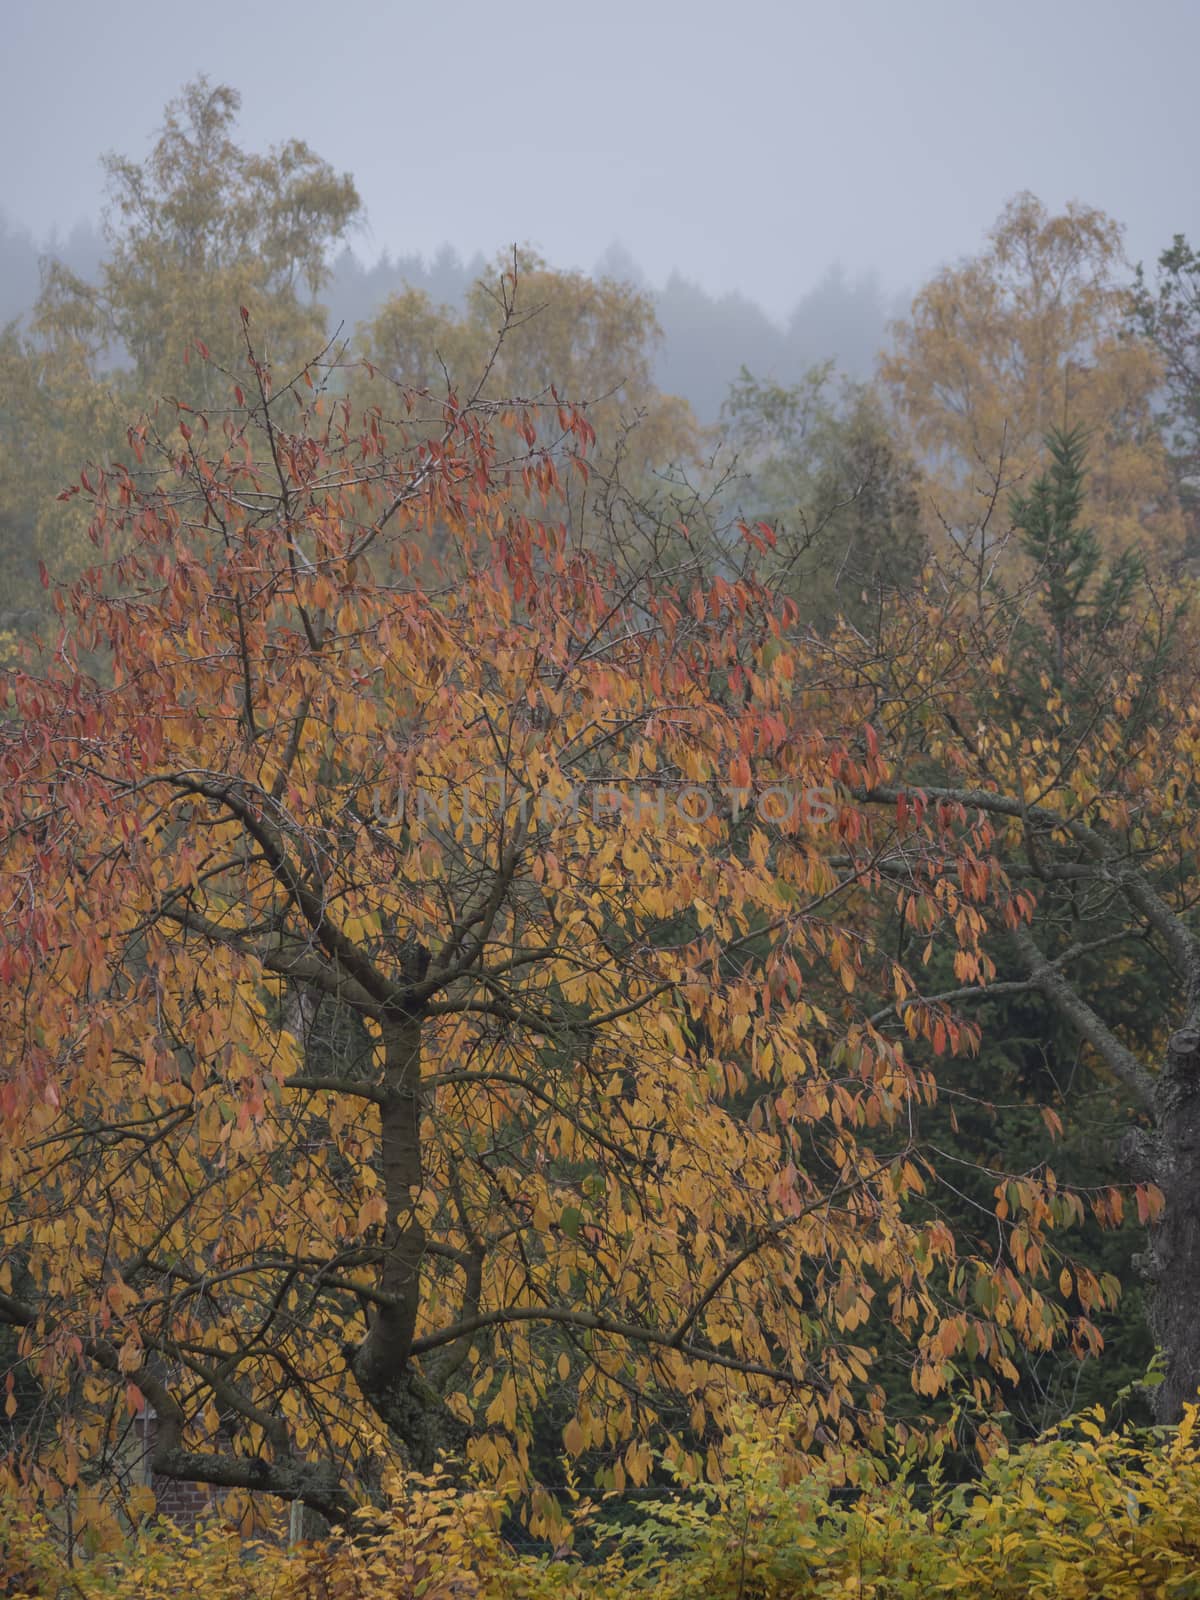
(381, 1365)
(1174, 1255)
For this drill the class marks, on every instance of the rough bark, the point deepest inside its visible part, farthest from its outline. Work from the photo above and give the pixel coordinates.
(382, 1365)
(1173, 1259)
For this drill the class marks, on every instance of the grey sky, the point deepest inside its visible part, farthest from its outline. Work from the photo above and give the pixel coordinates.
(749, 144)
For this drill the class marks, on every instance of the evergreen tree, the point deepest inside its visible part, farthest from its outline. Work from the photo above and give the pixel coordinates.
(1080, 597)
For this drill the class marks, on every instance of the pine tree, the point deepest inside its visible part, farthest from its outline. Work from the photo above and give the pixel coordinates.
(1080, 596)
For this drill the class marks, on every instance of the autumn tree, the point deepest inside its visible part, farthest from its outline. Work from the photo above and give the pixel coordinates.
(52, 413)
(200, 227)
(1064, 709)
(590, 339)
(398, 1014)
(1029, 335)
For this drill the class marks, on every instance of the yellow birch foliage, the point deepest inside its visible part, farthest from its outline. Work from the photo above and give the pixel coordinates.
(590, 340)
(1029, 335)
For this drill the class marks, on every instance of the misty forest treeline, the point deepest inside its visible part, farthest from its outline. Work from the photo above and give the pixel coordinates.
(707, 338)
(839, 419)
(828, 425)
(979, 526)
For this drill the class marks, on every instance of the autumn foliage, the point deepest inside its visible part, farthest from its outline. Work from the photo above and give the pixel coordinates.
(1085, 1512)
(441, 983)
(1033, 333)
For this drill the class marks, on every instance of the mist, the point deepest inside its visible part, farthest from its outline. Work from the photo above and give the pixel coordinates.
(783, 180)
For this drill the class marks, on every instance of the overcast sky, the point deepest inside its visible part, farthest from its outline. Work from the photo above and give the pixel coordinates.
(749, 144)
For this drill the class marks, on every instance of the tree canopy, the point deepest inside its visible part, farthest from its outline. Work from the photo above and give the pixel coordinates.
(1029, 335)
(434, 972)
(200, 227)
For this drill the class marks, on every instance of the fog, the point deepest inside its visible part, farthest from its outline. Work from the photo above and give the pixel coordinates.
(804, 167)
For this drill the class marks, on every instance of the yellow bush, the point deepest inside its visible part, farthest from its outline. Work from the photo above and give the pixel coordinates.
(1083, 1514)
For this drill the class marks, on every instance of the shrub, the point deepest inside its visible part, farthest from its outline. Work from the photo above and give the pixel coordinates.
(1081, 1514)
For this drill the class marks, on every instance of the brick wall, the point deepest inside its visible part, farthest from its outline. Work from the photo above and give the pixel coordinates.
(185, 1503)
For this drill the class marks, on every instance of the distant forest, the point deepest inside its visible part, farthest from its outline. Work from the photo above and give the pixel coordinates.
(707, 339)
